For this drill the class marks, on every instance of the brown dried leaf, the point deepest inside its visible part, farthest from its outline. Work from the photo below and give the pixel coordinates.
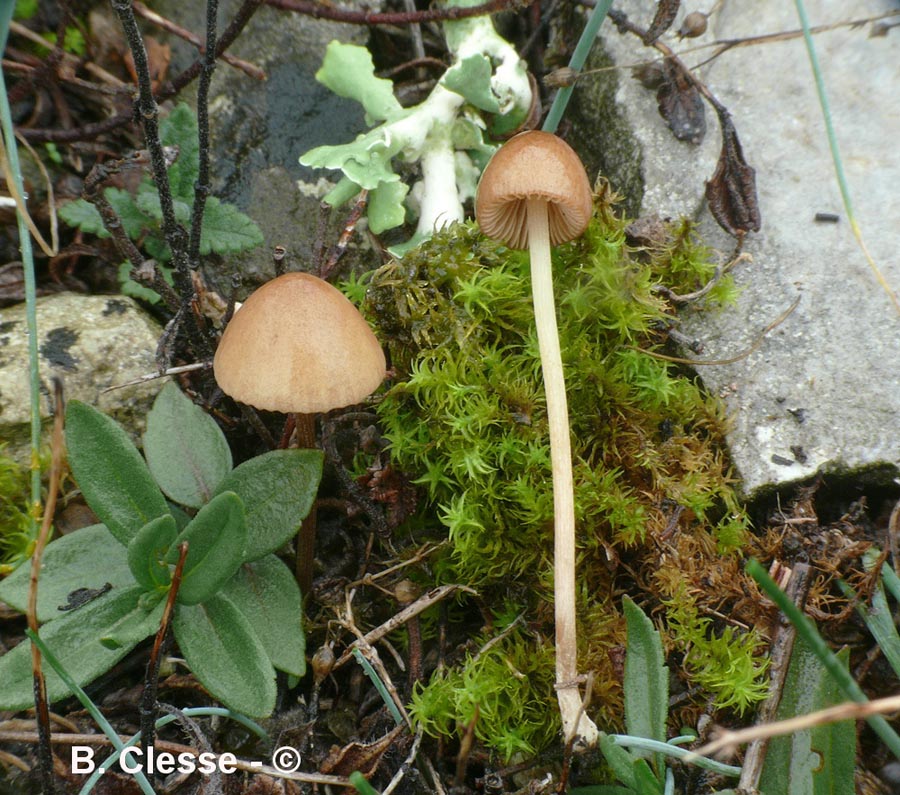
(680, 104)
(359, 756)
(666, 11)
(158, 57)
(731, 192)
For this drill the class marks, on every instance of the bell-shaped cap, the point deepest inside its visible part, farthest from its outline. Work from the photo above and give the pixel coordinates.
(298, 345)
(533, 165)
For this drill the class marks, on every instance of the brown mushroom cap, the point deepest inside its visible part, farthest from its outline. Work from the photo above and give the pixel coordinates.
(298, 345)
(531, 165)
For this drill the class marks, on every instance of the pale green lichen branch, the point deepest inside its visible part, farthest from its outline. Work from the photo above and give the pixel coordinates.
(445, 135)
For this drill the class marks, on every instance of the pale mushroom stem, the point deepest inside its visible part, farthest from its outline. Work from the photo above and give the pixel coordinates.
(570, 705)
(306, 536)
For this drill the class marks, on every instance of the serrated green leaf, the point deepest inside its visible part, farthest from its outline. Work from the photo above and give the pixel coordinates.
(602, 789)
(75, 640)
(267, 594)
(156, 246)
(137, 290)
(646, 684)
(348, 71)
(222, 649)
(133, 627)
(86, 558)
(147, 551)
(186, 450)
(179, 128)
(83, 215)
(811, 761)
(386, 209)
(110, 472)
(147, 201)
(277, 489)
(216, 538)
(471, 78)
(226, 230)
(134, 221)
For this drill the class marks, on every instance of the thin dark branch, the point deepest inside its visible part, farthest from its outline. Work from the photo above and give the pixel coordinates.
(143, 271)
(319, 10)
(151, 679)
(148, 114)
(202, 187)
(249, 69)
(167, 91)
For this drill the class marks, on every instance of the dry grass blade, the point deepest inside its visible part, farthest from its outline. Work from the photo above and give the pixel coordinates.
(42, 708)
(728, 741)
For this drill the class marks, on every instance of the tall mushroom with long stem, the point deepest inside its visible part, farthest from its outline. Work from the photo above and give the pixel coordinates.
(535, 194)
(298, 346)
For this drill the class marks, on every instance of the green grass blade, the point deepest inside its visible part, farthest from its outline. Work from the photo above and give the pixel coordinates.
(379, 685)
(12, 157)
(190, 712)
(111, 734)
(582, 49)
(363, 787)
(836, 154)
(807, 630)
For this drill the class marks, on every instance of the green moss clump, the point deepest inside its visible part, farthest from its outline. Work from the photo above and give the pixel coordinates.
(466, 418)
(494, 692)
(15, 535)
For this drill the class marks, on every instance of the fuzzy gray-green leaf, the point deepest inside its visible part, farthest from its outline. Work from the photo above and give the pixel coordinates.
(266, 592)
(75, 639)
(646, 680)
(813, 761)
(216, 537)
(222, 649)
(186, 450)
(88, 558)
(147, 550)
(110, 472)
(277, 489)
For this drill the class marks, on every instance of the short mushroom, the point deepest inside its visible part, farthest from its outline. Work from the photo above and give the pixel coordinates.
(297, 345)
(535, 193)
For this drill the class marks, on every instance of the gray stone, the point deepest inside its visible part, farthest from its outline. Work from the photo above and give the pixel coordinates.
(259, 129)
(822, 390)
(91, 343)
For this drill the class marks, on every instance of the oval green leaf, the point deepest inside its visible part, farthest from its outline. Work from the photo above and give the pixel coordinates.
(222, 649)
(110, 472)
(186, 451)
(140, 623)
(75, 640)
(83, 561)
(216, 537)
(277, 489)
(267, 594)
(147, 552)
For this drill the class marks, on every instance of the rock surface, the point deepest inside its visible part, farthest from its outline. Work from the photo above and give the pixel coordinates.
(822, 390)
(259, 129)
(91, 342)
